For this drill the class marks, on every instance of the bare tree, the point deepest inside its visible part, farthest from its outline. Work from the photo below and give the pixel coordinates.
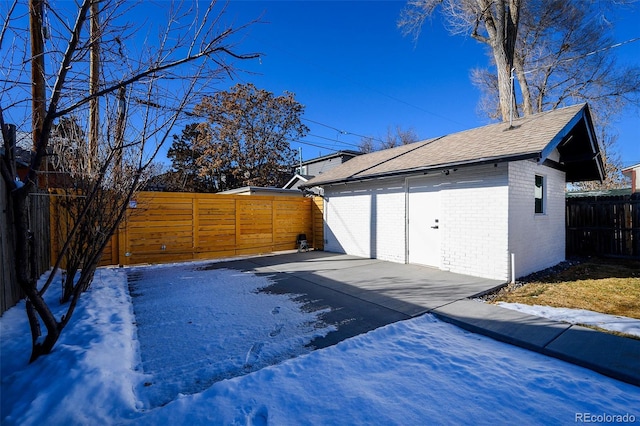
(564, 56)
(561, 54)
(494, 23)
(557, 50)
(394, 137)
(145, 86)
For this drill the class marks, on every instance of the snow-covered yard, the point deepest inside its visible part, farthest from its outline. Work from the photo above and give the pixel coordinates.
(197, 327)
(149, 363)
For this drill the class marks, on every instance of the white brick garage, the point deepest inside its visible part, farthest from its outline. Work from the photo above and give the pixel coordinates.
(465, 202)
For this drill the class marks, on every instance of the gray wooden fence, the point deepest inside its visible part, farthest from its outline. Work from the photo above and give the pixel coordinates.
(10, 293)
(604, 226)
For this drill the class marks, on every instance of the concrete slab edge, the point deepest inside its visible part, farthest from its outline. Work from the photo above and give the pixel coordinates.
(505, 338)
(624, 371)
(617, 374)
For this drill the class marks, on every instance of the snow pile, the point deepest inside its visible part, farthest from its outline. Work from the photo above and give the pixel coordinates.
(411, 372)
(579, 316)
(89, 378)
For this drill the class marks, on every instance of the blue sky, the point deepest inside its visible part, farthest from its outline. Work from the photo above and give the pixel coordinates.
(357, 75)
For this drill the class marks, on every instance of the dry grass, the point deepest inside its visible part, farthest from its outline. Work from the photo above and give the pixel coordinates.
(609, 286)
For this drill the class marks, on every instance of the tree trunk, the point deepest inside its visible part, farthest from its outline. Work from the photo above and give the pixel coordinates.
(28, 282)
(505, 85)
(527, 104)
(501, 22)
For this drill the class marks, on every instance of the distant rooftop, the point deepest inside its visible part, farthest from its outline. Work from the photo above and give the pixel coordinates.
(343, 153)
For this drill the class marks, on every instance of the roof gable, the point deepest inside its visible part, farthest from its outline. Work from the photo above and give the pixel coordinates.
(534, 137)
(297, 178)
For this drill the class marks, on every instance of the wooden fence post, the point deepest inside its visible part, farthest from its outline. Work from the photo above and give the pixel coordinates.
(237, 225)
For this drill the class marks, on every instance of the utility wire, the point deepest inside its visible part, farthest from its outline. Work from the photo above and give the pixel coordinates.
(359, 83)
(342, 132)
(575, 58)
(334, 140)
(311, 144)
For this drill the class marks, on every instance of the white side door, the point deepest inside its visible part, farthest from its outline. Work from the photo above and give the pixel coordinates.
(424, 233)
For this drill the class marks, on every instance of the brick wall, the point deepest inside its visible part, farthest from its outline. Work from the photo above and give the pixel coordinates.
(369, 219)
(474, 222)
(537, 240)
(487, 212)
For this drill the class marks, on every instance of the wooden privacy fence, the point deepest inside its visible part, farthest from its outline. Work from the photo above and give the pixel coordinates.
(165, 227)
(38, 205)
(604, 226)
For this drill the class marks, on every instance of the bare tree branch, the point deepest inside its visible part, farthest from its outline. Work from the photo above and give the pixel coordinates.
(157, 86)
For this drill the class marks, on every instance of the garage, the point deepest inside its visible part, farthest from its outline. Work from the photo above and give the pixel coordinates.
(486, 202)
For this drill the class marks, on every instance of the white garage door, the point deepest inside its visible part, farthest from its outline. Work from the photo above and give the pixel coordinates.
(424, 231)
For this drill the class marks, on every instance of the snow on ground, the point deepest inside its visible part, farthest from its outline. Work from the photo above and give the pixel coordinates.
(197, 327)
(411, 372)
(579, 316)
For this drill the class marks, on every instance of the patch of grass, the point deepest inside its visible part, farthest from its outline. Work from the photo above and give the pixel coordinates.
(609, 286)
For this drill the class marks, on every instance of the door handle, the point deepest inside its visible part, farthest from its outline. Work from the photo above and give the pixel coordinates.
(435, 227)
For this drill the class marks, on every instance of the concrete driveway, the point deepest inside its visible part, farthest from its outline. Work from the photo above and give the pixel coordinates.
(363, 294)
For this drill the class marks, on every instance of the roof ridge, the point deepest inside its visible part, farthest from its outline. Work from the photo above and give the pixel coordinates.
(526, 118)
(386, 160)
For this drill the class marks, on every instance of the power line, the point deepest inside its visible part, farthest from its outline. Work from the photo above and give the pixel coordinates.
(359, 83)
(340, 131)
(575, 58)
(310, 144)
(334, 140)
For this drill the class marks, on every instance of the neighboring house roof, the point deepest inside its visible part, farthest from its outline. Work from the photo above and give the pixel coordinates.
(633, 173)
(22, 150)
(570, 130)
(344, 153)
(260, 190)
(628, 169)
(295, 179)
(23, 156)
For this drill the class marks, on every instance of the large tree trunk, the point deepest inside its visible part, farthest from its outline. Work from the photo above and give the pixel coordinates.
(505, 85)
(501, 23)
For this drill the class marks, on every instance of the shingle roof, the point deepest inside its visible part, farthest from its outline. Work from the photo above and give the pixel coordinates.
(528, 137)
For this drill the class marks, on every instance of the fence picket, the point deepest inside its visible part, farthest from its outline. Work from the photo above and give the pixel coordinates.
(603, 226)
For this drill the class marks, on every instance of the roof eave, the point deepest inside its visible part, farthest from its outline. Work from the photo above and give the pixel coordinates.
(565, 135)
(434, 168)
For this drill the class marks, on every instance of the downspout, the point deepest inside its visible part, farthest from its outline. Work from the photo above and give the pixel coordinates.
(513, 268)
